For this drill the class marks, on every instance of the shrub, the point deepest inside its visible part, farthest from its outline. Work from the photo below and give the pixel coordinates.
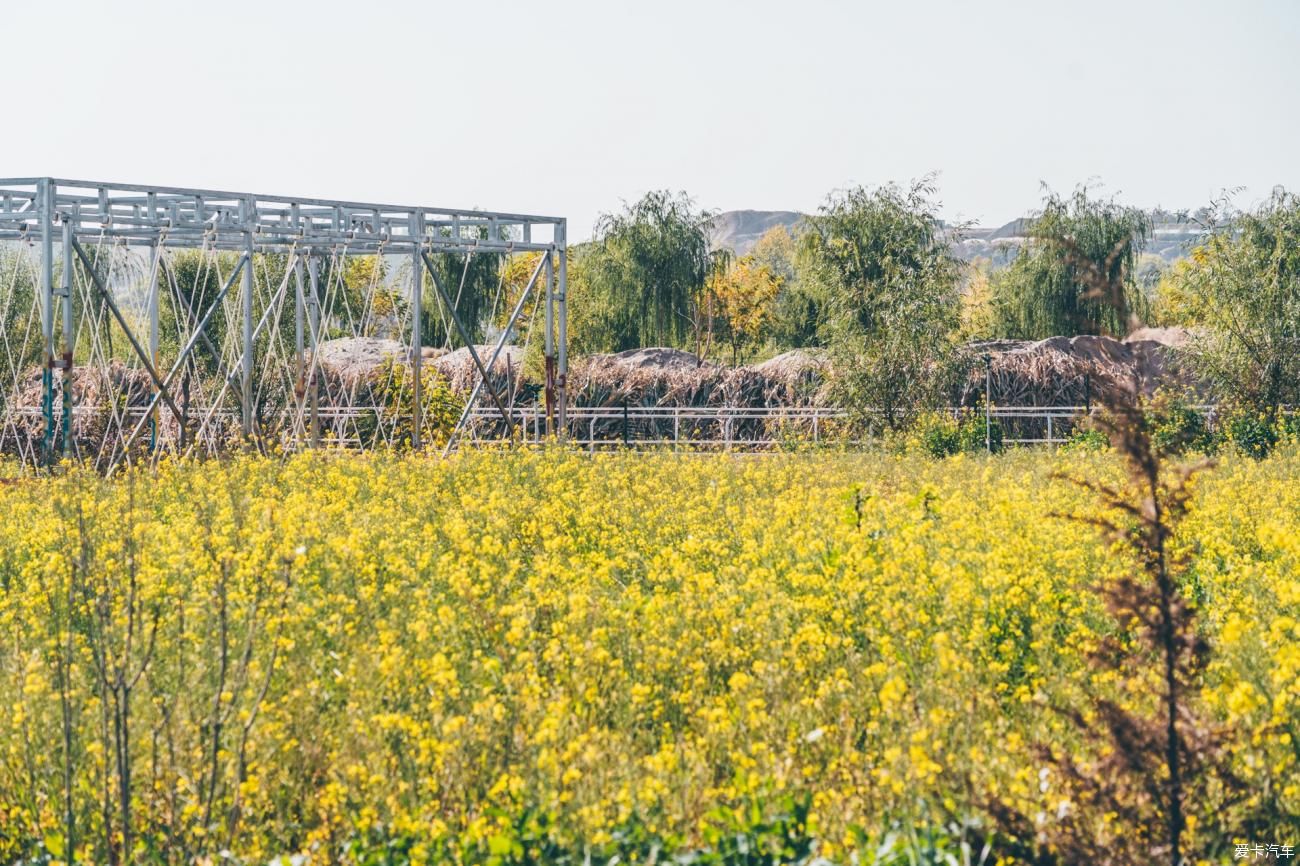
(1178, 427)
(1251, 433)
(1086, 440)
(971, 434)
(941, 435)
(938, 435)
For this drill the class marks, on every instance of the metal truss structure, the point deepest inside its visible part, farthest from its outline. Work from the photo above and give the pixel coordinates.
(227, 349)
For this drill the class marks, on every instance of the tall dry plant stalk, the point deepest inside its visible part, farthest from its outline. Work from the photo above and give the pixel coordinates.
(1150, 770)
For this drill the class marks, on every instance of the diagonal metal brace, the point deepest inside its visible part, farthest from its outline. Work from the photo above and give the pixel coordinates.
(121, 321)
(182, 357)
(496, 351)
(203, 334)
(469, 344)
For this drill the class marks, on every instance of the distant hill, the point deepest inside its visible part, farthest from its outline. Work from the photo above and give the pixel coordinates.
(739, 230)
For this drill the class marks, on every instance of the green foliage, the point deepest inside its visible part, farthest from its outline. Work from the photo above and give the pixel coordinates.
(377, 845)
(1240, 288)
(798, 316)
(1079, 248)
(941, 435)
(641, 279)
(799, 307)
(18, 318)
(760, 831)
(1086, 439)
(888, 281)
(1178, 427)
(1250, 432)
(751, 836)
(188, 283)
(115, 265)
(471, 283)
(395, 398)
(928, 842)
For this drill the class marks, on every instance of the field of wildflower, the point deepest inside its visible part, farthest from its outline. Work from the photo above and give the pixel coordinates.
(545, 657)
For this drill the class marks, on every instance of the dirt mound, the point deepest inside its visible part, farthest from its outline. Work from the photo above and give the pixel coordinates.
(1174, 337)
(656, 358)
(353, 358)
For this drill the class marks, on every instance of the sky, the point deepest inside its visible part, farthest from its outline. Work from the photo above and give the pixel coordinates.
(572, 107)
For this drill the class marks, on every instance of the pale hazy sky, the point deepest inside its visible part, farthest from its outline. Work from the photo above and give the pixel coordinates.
(567, 107)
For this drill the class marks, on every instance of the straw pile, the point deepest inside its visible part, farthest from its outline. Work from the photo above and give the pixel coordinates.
(104, 390)
(656, 376)
(1068, 371)
(462, 373)
(672, 377)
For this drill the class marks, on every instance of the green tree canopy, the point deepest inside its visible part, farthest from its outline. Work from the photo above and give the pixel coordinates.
(472, 283)
(1077, 272)
(642, 277)
(889, 282)
(798, 308)
(1240, 289)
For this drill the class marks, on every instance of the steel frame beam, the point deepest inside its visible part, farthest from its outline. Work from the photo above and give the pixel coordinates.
(224, 220)
(158, 217)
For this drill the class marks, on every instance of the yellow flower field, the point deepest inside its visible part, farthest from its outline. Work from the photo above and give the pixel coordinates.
(510, 656)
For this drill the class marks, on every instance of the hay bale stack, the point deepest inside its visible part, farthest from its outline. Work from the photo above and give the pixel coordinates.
(664, 377)
(671, 378)
(795, 378)
(644, 377)
(105, 390)
(1068, 371)
(459, 369)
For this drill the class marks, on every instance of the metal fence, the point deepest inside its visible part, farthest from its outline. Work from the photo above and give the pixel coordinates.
(730, 427)
(603, 428)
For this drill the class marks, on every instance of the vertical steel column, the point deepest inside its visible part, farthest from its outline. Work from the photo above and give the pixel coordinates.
(550, 342)
(153, 339)
(68, 334)
(246, 363)
(46, 190)
(299, 341)
(417, 312)
(562, 294)
(313, 321)
(988, 393)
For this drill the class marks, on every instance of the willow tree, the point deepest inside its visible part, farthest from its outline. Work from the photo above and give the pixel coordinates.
(21, 344)
(472, 282)
(1240, 290)
(1074, 245)
(645, 272)
(889, 281)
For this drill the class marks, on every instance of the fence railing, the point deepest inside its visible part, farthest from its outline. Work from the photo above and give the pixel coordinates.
(748, 427)
(594, 428)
